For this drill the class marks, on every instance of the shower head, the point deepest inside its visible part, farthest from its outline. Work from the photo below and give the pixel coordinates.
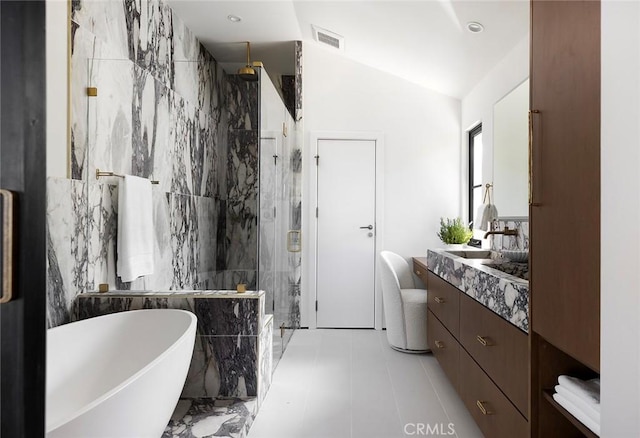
(247, 72)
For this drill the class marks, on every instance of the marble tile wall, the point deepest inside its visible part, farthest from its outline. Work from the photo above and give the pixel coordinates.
(165, 110)
(162, 113)
(519, 242)
(233, 340)
(67, 243)
(238, 236)
(298, 81)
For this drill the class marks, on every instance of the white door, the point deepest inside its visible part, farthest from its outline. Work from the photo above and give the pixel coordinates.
(345, 232)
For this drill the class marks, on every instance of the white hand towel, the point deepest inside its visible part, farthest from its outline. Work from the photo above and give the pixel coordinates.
(588, 390)
(576, 412)
(479, 222)
(135, 228)
(486, 214)
(588, 408)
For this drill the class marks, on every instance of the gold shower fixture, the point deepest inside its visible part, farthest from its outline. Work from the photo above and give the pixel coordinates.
(247, 72)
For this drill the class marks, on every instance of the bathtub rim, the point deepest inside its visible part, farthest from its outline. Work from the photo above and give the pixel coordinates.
(110, 393)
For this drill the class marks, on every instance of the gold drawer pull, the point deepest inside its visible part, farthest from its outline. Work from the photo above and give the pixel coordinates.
(482, 408)
(484, 341)
(418, 272)
(439, 344)
(439, 300)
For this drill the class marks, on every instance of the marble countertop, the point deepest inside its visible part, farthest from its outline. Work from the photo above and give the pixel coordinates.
(181, 293)
(504, 294)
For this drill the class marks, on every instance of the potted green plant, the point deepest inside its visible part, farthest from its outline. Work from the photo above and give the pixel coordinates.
(453, 232)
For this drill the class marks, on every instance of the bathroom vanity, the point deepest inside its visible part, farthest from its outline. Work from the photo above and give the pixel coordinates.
(478, 330)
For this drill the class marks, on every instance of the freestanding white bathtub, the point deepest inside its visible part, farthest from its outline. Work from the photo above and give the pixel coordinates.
(118, 375)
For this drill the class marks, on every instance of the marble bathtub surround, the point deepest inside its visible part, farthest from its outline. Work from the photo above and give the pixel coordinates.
(208, 417)
(233, 346)
(504, 294)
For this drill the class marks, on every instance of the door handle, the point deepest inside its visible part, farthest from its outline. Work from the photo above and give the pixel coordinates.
(7, 246)
(534, 168)
(370, 227)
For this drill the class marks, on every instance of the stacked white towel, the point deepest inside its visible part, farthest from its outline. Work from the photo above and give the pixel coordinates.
(580, 398)
(135, 228)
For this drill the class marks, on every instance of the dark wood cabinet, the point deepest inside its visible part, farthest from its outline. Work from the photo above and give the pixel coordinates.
(489, 407)
(443, 300)
(499, 348)
(485, 357)
(564, 201)
(444, 347)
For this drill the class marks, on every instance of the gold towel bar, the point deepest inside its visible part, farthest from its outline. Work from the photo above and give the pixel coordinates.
(100, 173)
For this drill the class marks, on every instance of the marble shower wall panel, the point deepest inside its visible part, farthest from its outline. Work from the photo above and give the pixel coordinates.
(243, 104)
(241, 182)
(242, 201)
(141, 31)
(83, 48)
(106, 20)
(67, 256)
(298, 80)
(160, 113)
(103, 205)
(110, 122)
(519, 242)
(231, 278)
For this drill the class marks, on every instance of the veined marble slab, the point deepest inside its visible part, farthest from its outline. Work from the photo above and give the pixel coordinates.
(181, 293)
(233, 337)
(504, 294)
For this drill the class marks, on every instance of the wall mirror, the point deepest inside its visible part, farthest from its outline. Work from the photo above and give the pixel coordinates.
(510, 157)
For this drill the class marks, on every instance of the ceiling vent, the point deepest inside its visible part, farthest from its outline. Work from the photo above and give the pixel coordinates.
(328, 38)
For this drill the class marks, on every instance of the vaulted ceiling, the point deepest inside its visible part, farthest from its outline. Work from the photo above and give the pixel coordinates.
(425, 42)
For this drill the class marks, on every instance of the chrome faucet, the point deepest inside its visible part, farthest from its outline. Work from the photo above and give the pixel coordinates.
(507, 232)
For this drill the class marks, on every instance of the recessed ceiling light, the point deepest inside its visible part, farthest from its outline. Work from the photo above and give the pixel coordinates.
(475, 27)
(234, 18)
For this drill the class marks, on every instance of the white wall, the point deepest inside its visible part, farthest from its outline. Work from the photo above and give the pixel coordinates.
(477, 106)
(57, 55)
(620, 232)
(421, 132)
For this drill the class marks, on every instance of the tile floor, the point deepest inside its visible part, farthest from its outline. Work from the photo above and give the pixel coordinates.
(351, 384)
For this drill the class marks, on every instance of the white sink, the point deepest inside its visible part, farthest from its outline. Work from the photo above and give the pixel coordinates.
(471, 254)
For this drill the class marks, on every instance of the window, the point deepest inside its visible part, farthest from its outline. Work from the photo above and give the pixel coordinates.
(475, 171)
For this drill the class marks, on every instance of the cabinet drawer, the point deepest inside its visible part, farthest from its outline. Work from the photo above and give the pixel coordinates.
(444, 347)
(444, 301)
(420, 269)
(492, 411)
(500, 348)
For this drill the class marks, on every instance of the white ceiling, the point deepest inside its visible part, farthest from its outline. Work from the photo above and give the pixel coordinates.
(422, 41)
